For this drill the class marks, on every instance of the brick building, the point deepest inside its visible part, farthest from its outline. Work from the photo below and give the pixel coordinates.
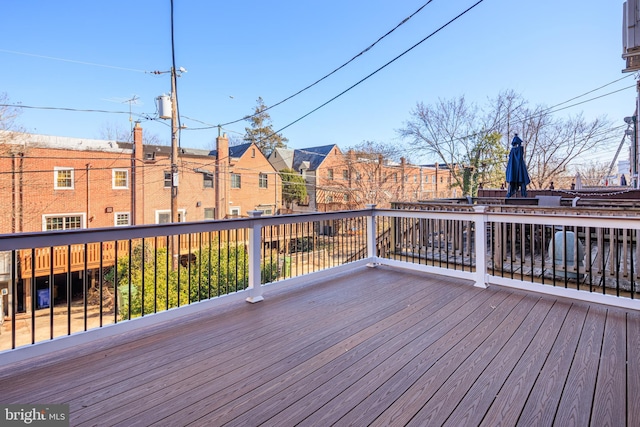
(338, 181)
(55, 183)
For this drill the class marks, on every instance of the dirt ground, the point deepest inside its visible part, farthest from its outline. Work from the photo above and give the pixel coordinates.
(62, 323)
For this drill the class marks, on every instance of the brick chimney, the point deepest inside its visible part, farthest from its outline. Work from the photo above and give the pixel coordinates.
(222, 177)
(137, 177)
(138, 147)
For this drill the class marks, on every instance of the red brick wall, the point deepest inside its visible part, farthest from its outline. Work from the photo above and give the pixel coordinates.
(27, 190)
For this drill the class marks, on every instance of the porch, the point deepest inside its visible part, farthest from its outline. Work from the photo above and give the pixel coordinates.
(379, 346)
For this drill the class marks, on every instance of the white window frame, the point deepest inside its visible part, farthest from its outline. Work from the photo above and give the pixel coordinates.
(182, 214)
(235, 211)
(113, 179)
(56, 171)
(83, 223)
(115, 219)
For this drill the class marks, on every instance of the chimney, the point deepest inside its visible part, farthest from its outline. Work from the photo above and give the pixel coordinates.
(137, 178)
(222, 184)
(138, 147)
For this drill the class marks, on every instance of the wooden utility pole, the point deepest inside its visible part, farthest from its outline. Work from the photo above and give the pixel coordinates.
(174, 149)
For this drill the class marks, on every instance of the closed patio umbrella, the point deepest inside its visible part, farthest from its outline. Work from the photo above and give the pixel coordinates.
(517, 175)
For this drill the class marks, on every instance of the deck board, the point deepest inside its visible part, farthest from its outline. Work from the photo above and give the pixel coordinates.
(577, 396)
(633, 369)
(376, 346)
(611, 381)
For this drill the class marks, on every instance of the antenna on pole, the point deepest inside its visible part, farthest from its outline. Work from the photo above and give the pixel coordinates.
(133, 100)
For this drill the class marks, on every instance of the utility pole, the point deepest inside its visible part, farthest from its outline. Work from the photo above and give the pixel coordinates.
(175, 128)
(174, 149)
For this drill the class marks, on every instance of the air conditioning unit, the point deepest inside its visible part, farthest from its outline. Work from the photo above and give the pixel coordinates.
(631, 35)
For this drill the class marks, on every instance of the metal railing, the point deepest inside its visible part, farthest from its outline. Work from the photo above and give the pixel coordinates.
(94, 278)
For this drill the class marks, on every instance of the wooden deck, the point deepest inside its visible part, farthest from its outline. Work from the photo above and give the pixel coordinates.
(374, 347)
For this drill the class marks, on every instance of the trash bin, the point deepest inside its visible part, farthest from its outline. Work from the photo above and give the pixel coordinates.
(43, 298)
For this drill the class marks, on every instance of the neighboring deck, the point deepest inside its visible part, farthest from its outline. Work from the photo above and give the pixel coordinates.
(377, 346)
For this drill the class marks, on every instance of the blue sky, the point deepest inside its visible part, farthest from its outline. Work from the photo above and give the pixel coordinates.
(547, 50)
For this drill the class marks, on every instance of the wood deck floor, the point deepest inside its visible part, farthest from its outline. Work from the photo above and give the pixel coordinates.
(373, 347)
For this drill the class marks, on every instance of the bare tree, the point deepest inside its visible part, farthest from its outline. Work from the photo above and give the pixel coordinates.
(375, 174)
(10, 130)
(116, 132)
(552, 144)
(455, 132)
(592, 173)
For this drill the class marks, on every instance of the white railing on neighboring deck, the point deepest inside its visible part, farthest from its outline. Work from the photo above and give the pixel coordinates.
(96, 278)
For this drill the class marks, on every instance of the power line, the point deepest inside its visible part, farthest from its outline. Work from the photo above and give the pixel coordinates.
(337, 69)
(379, 69)
(72, 61)
(591, 91)
(67, 109)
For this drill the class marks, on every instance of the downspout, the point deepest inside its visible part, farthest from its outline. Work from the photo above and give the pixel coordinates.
(133, 185)
(14, 212)
(21, 194)
(88, 167)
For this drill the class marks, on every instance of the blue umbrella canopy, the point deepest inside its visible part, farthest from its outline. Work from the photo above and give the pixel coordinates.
(517, 175)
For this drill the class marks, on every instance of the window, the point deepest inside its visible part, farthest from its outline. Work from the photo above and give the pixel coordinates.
(209, 213)
(120, 179)
(253, 152)
(164, 217)
(415, 179)
(207, 180)
(345, 174)
(63, 178)
(265, 211)
(167, 180)
(262, 180)
(121, 219)
(395, 177)
(234, 211)
(433, 180)
(62, 222)
(358, 176)
(345, 197)
(330, 174)
(235, 180)
(329, 199)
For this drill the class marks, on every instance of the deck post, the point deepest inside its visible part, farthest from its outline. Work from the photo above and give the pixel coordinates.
(371, 236)
(255, 231)
(480, 221)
